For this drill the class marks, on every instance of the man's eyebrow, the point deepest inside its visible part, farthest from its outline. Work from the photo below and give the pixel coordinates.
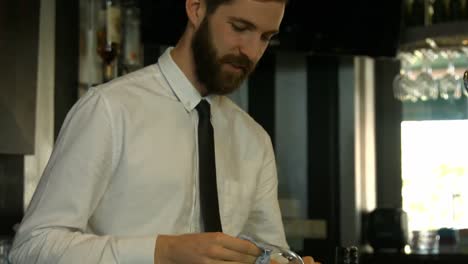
(251, 25)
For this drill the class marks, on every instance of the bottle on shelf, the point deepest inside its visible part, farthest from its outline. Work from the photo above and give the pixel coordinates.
(109, 37)
(342, 255)
(441, 11)
(90, 66)
(132, 58)
(347, 255)
(416, 14)
(353, 255)
(456, 10)
(407, 12)
(464, 4)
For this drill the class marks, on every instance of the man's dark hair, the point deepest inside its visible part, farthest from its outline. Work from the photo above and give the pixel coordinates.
(212, 5)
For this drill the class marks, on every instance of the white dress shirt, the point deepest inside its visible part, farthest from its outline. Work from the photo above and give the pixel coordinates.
(125, 169)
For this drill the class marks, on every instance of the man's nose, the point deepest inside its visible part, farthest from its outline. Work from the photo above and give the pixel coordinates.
(252, 48)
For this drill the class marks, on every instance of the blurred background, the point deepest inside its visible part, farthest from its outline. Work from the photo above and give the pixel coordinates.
(364, 101)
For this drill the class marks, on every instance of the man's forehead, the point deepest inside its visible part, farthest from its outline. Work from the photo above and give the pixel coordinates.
(250, 24)
(264, 14)
(253, 2)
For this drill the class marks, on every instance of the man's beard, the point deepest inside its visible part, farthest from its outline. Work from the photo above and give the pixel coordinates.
(208, 67)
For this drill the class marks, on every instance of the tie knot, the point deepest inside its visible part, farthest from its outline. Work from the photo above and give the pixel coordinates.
(203, 109)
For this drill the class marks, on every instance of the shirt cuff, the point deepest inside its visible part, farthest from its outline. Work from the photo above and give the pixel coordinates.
(136, 249)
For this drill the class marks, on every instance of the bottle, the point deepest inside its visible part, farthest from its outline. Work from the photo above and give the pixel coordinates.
(353, 255)
(456, 10)
(440, 12)
(109, 37)
(464, 6)
(347, 255)
(132, 48)
(90, 65)
(418, 13)
(408, 12)
(342, 255)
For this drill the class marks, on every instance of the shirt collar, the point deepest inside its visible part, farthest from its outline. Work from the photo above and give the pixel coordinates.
(187, 94)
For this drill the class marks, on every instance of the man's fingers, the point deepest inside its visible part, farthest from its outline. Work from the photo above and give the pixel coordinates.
(221, 253)
(240, 245)
(309, 260)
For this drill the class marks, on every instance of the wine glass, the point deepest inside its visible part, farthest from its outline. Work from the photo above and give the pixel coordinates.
(283, 255)
(403, 85)
(277, 253)
(425, 83)
(449, 84)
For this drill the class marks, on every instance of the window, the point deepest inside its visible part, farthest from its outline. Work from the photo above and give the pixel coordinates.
(435, 173)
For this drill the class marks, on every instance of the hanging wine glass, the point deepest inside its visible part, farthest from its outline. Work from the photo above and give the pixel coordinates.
(465, 81)
(450, 85)
(403, 84)
(464, 53)
(425, 83)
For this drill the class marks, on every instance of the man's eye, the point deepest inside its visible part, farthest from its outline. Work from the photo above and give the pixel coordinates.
(238, 28)
(266, 38)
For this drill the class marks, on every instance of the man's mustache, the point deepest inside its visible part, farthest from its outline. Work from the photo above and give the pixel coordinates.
(240, 61)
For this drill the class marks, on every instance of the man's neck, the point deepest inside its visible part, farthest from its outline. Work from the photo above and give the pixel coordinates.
(183, 56)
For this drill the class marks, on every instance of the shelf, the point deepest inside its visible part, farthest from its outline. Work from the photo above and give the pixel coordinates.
(445, 35)
(385, 258)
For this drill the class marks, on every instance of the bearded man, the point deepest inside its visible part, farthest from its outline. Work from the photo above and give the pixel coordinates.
(159, 166)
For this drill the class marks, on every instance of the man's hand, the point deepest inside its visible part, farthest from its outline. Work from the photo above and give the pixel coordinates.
(204, 248)
(307, 260)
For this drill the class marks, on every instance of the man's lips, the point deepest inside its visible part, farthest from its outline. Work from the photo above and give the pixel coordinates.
(238, 67)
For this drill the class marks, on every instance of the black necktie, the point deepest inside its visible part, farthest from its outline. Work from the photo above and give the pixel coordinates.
(207, 170)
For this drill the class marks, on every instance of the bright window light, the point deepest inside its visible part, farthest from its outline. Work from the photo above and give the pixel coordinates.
(435, 173)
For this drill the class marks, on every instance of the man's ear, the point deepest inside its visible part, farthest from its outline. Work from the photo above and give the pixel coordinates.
(196, 10)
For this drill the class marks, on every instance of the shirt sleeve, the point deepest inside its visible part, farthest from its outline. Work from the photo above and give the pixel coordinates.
(54, 228)
(264, 222)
